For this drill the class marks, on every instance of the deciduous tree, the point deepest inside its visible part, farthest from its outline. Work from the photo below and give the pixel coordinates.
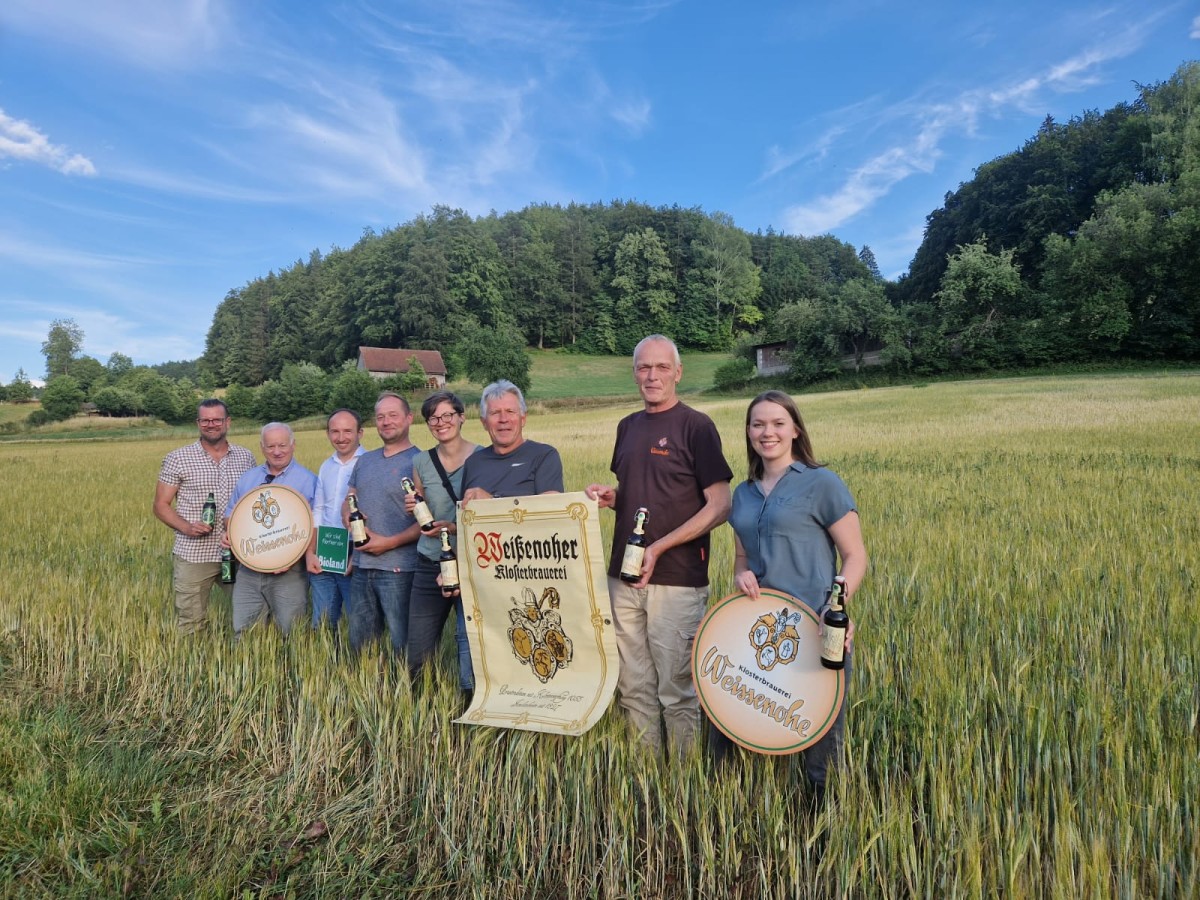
(89, 372)
(644, 288)
(119, 365)
(61, 346)
(20, 389)
(356, 390)
(62, 397)
(492, 354)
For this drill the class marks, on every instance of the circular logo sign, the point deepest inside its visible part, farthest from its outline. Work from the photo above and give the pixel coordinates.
(757, 668)
(270, 528)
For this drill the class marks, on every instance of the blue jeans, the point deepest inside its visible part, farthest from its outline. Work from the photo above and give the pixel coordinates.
(427, 616)
(379, 597)
(330, 595)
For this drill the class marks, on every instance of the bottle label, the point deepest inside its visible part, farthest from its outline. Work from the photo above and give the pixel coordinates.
(833, 644)
(631, 563)
(422, 514)
(449, 568)
(358, 531)
(209, 515)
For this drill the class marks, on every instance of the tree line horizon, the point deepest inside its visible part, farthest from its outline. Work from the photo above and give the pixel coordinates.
(1081, 245)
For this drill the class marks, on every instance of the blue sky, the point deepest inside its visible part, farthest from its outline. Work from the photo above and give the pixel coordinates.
(155, 154)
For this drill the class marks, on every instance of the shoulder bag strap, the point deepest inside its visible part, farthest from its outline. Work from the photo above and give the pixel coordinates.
(441, 470)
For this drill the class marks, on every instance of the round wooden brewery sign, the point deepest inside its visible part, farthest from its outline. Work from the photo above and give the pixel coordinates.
(270, 528)
(757, 668)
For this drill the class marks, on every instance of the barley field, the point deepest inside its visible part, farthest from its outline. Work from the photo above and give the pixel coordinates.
(1024, 718)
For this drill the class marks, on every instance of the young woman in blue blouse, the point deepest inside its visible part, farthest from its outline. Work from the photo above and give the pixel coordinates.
(793, 520)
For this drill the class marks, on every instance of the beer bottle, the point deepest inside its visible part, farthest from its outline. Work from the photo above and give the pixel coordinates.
(635, 548)
(358, 524)
(228, 575)
(209, 514)
(448, 564)
(421, 512)
(833, 644)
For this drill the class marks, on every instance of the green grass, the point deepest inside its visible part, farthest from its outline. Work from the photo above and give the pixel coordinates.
(558, 375)
(1025, 716)
(16, 412)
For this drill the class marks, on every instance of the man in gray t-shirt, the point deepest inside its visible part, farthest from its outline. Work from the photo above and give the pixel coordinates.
(513, 466)
(383, 567)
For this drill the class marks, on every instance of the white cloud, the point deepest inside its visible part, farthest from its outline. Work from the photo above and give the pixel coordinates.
(159, 34)
(105, 333)
(865, 185)
(457, 103)
(430, 130)
(348, 139)
(25, 330)
(779, 160)
(929, 125)
(21, 140)
(47, 255)
(188, 185)
(1195, 28)
(518, 26)
(633, 114)
(438, 103)
(118, 318)
(855, 119)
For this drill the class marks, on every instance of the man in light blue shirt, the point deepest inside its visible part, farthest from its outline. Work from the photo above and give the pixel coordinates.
(280, 595)
(331, 590)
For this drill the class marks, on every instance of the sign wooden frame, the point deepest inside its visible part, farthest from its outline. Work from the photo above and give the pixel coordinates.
(270, 528)
(758, 673)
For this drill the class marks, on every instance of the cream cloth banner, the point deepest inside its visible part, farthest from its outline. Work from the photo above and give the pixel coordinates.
(539, 619)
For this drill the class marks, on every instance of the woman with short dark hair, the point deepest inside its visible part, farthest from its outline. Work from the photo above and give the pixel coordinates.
(437, 474)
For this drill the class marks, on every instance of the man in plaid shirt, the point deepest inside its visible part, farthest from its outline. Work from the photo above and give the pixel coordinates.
(211, 465)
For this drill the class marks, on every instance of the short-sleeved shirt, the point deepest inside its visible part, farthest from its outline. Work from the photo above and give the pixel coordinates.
(532, 468)
(295, 476)
(194, 474)
(786, 534)
(664, 461)
(333, 481)
(376, 481)
(441, 504)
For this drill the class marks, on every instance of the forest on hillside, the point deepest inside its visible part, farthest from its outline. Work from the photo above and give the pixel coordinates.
(1081, 244)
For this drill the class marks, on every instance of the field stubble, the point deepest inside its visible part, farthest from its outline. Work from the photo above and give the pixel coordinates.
(1024, 718)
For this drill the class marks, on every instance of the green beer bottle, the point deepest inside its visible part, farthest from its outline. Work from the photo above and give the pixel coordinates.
(208, 515)
(228, 571)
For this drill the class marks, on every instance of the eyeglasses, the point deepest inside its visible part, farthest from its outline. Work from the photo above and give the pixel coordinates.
(210, 422)
(447, 418)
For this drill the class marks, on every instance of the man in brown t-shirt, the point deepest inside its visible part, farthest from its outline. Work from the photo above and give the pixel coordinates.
(668, 459)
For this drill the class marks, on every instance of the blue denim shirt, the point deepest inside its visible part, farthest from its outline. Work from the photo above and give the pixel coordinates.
(786, 534)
